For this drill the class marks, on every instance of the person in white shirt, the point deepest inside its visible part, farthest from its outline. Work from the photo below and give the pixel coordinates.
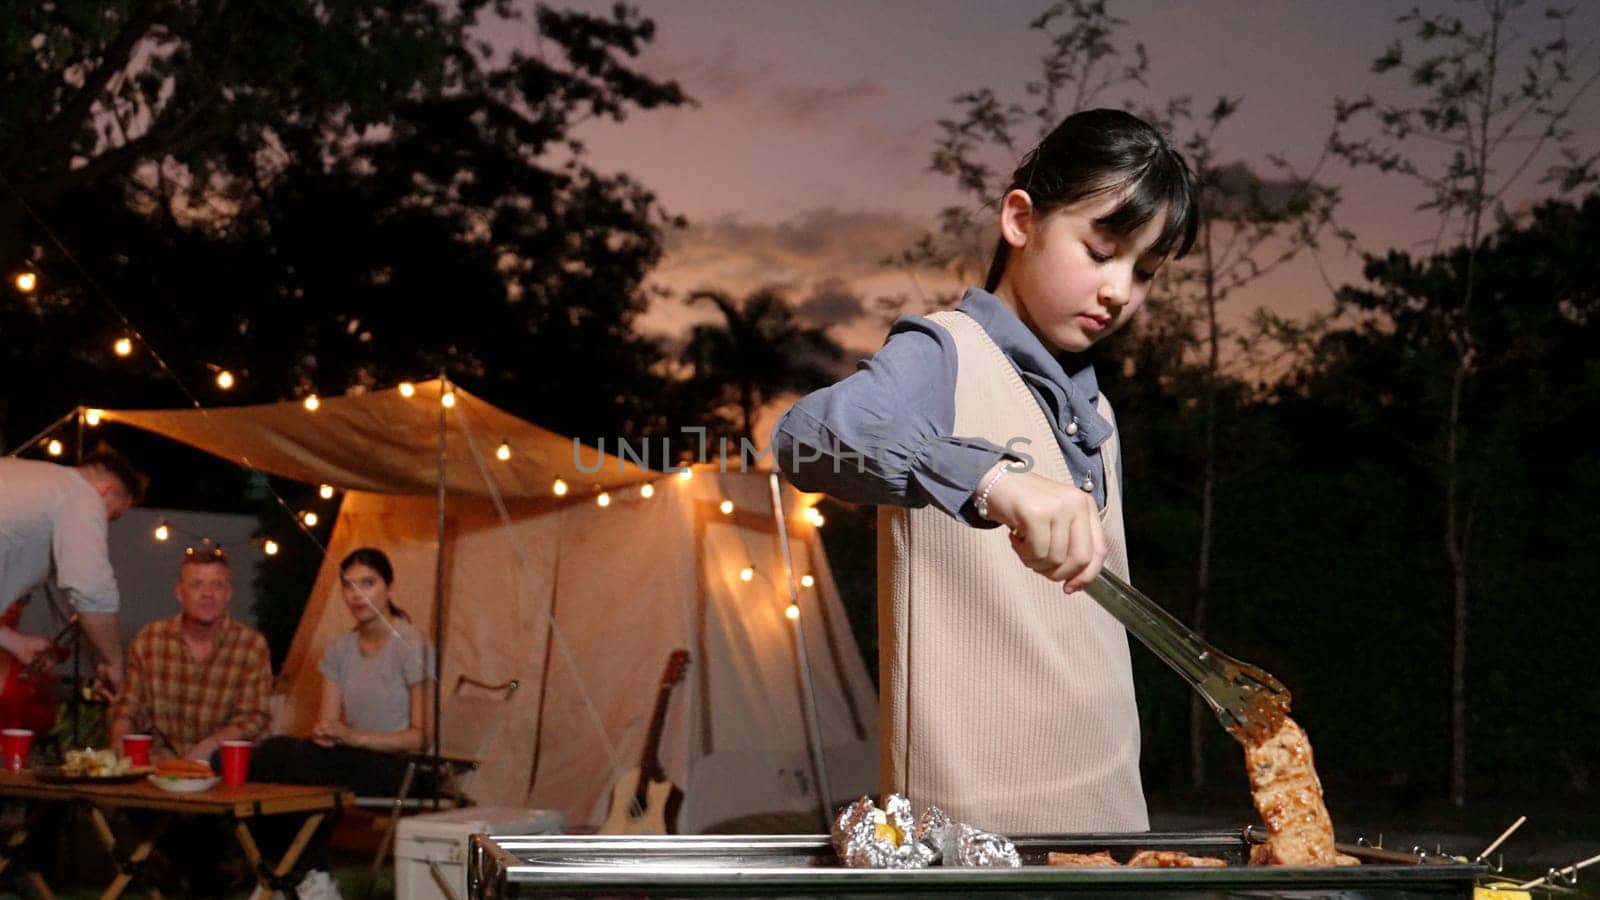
(53, 518)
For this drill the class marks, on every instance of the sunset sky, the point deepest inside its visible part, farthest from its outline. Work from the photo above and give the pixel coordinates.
(805, 161)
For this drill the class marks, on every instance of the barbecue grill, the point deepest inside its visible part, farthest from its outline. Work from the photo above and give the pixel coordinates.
(665, 866)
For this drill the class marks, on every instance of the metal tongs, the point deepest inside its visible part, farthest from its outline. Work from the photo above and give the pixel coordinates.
(1250, 703)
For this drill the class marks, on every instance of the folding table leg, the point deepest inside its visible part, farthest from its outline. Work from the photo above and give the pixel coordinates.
(12, 846)
(252, 853)
(141, 851)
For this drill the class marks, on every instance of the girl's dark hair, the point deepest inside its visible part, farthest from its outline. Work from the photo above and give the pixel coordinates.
(1100, 151)
(377, 561)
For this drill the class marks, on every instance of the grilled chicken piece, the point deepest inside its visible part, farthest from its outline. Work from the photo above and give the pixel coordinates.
(1101, 860)
(1173, 859)
(1287, 793)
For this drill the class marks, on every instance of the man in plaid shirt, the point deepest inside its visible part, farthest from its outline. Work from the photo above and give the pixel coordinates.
(200, 677)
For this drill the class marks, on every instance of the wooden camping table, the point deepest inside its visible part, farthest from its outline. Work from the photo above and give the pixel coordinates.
(237, 804)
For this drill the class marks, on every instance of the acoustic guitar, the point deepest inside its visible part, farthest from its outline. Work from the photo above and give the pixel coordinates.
(28, 693)
(643, 800)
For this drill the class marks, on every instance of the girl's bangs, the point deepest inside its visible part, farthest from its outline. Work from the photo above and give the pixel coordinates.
(1146, 194)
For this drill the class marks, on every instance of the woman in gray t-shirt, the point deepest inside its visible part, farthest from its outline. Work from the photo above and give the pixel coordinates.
(374, 700)
(374, 675)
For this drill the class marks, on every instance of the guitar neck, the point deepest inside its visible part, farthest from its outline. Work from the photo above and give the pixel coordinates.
(649, 761)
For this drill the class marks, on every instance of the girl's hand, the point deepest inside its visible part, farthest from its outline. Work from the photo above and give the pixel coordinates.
(330, 732)
(1055, 527)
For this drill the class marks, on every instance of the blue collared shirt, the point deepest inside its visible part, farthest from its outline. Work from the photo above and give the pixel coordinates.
(885, 434)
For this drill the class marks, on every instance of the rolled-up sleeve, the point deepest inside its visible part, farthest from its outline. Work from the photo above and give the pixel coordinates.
(883, 435)
(83, 563)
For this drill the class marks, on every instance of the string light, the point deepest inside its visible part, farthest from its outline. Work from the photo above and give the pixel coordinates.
(448, 399)
(310, 518)
(407, 389)
(26, 282)
(726, 507)
(91, 417)
(311, 403)
(603, 501)
(162, 531)
(814, 517)
(748, 573)
(793, 613)
(685, 475)
(325, 491)
(647, 491)
(122, 347)
(225, 380)
(560, 488)
(53, 448)
(503, 452)
(269, 547)
(807, 581)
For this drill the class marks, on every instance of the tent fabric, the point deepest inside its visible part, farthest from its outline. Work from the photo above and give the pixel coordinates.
(626, 585)
(383, 442)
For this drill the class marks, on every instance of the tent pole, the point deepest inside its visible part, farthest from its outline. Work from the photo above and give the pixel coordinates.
(808, 695)
(438, 600)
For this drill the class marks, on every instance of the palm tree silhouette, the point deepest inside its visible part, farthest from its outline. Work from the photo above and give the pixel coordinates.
(759, 351)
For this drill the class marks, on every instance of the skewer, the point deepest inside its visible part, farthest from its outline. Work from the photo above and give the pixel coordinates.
(1569, 870)
(1501, 839)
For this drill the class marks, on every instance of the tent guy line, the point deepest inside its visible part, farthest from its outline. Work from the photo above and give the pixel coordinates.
(509, 529)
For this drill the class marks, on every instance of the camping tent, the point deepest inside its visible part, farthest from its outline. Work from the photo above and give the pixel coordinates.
(579, 602)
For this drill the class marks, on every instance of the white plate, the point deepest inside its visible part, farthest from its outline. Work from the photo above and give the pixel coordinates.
(185, 785)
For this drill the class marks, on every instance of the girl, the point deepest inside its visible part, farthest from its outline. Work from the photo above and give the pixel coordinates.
(374, 704)
(1002, 701)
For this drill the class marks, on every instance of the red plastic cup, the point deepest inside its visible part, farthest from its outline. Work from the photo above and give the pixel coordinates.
(235, 762)
(14, 746)
(136, 747)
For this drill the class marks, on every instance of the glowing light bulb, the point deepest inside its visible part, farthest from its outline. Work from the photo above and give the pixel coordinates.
(685, 475)
(26, 282)
(312, 403)
(603, 501)
(325, 491)
(269, 547)
(162, 531)
(647, 491)
(503, 452)
(91, 417)
(53, 448)
(448, 399)
(225, 380)
(807, 581)
(814, 517)
(310, 518)
(748, 573)
(793, 612)
(407, 389)
(560, 488)
(122, 347)
(726, 507)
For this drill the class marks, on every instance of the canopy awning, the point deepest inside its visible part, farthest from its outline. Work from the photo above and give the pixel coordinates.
(386, 443)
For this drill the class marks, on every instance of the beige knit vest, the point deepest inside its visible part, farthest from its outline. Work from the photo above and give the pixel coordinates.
(1001, 699)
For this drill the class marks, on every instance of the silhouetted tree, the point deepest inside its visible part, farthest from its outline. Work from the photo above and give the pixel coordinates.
(759, 350)
(1493, 90)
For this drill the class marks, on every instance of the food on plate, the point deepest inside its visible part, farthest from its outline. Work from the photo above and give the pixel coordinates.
(183, 768)
(1101, 860)
(1288, 794)
(1172, 859)
(1165, 859)
(95, 764)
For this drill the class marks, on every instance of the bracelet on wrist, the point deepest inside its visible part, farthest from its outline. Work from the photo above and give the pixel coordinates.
(981, 504)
